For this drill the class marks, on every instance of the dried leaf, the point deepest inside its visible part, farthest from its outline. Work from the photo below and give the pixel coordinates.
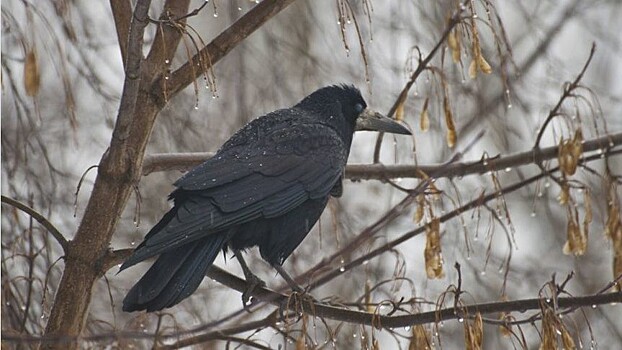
(453, 41)
(617, 254)
(587, 201)
(564, 195)
(478, 331)
(31, 74)
(424, 118)
(483, 65)
(613, 219)
(506, 330)
(301, 343)
(549, 334)
(399, 111)
(420, 208)
(473, 70)
(570, 153)
(432, 251)
(420, 339)
(576, 243)
(370, 308)
(473, 333)
(567, 340)
(449, 121)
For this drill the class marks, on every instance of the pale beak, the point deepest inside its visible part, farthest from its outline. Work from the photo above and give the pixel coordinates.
(374, 121)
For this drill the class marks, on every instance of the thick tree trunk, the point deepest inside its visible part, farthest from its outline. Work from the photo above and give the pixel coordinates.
(90, 246)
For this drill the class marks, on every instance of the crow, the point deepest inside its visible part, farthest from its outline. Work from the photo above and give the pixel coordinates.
(266, 186)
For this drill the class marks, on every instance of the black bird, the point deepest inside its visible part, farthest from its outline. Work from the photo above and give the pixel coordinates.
(265, 187)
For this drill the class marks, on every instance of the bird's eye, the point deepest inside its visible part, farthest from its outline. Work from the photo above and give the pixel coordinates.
(358, 108)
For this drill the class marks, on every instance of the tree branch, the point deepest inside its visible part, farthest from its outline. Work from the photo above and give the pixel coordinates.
(40, 219)
(423, 64)
(131, 84)
(185, 161)
(222, 44)
(121, 12)
(568, 90)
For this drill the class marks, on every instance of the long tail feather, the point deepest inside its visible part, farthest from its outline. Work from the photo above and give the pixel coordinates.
(174, 276)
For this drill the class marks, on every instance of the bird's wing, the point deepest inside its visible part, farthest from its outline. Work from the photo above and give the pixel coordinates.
(265, 179)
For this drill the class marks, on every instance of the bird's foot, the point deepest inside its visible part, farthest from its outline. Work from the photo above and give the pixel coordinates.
(252, 282)
(296, 301)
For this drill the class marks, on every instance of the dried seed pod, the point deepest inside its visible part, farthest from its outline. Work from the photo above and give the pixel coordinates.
(32, 79)
(613, 219)
(564, 195)
(370, 308)
(453, 41)
(432, 252)
(569, 153)
(473, 70)
(399, 111)
(577, 241)
(506, 330)
(483, 65)
(473, 333)
(420, 339)
(549, 331)
(449, 121)
(420, 208)
(424, 118)
(567, 340)
(587, 201)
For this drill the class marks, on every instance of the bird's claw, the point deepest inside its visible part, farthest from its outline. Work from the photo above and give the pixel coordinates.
(296, 298)
(252, 282)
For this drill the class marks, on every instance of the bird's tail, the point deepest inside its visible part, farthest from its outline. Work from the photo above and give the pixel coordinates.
(175, 275)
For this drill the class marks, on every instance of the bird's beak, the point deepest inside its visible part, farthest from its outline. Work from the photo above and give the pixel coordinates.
(374, 121)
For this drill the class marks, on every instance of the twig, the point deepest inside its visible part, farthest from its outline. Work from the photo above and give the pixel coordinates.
(223, 43)
(568, 89)
(40, 219)
(453, 21)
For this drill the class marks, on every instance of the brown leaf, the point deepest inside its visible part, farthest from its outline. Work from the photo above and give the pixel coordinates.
(473, 333)
(432, 251)
(549, 334)
(31, 74)
(420, 208)
(424, 118)
(453, 41)
(420, 339)
(399, 111)
(564, 195)
(473, 70)
(567, 340)
(483, 65)
(449, 121)
(577, 241)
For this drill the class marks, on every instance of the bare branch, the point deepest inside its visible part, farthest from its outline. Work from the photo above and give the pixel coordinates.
(40, 219)
(132, 80)
(121, 12)
(223, 43)
(185, 161)
(423, 64)
(568, 90)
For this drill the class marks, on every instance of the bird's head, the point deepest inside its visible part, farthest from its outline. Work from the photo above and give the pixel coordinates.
(353, 109)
